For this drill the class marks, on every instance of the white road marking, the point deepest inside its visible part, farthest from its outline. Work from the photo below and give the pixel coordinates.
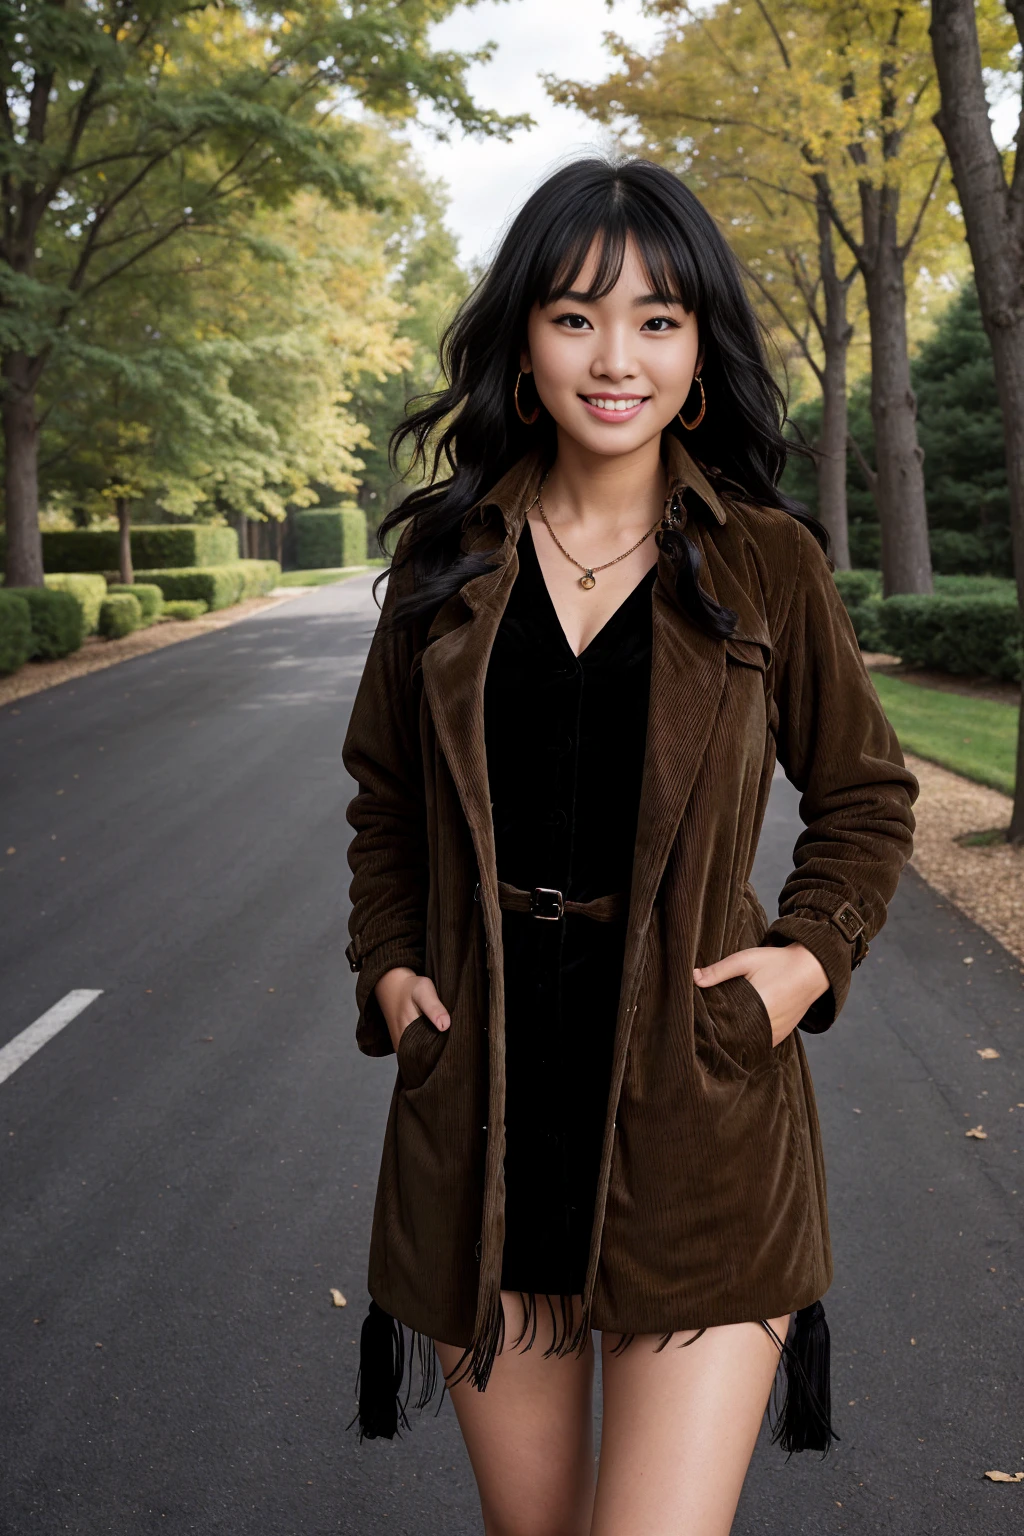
(17, 1051)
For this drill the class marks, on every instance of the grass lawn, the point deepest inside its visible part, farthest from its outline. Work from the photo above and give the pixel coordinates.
(324, 574)
(973, 737)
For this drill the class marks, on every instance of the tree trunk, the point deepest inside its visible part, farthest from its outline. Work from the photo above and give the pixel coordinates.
(243, 536)
(831, 463)
(24, 565)
(994, 216)
(124, 524)
(280, 542)
(902, 511)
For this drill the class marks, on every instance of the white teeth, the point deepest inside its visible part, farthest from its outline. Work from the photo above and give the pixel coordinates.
(614, 405)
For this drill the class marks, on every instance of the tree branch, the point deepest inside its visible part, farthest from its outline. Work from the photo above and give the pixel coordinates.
(773, 29)
(870, 475)
(915, 229)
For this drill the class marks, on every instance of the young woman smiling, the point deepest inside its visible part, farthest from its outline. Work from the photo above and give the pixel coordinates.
(603, 625)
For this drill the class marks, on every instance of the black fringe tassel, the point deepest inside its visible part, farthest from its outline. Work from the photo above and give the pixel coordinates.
(804, 1422)
(384, 1362)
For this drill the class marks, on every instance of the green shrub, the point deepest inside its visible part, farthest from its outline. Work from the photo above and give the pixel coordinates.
(57, 623)
(15, 631)
(119, 615)
(87, 589)
(861, 593)
(154, 544)
(183, 608)
(149, 596)
(326, 537)
(979, 634)
(218, 586)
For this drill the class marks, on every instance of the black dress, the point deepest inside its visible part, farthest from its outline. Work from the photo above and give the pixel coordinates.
(565, 746)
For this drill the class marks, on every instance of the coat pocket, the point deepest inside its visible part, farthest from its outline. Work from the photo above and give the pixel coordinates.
(739, 1020)
(420, 1048)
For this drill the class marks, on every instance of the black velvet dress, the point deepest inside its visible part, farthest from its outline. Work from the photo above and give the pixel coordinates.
(565, 746)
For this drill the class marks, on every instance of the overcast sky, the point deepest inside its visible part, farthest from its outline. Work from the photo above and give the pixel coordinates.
(487, 180)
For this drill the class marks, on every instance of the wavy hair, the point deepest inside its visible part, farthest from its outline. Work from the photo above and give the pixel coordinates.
(468, 435)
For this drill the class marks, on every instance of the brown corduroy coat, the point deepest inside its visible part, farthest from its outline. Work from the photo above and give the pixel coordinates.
(711, 1200)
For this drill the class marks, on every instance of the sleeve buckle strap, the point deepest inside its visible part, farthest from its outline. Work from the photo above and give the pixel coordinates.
(848, 920)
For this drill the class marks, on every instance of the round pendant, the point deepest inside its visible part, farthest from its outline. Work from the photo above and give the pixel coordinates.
(588, 581)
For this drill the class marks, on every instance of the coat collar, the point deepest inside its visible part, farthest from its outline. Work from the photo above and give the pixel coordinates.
(516, 491)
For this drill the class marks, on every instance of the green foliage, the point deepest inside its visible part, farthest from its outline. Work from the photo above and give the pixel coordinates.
(120, 614)
(973, 737)
(148, 596)
(969, 635)
(15, 631)
(217, 586)
(88, 590)
(98, 549)
(961, 432)
(184, 608)
(330, 537)
(57, 623)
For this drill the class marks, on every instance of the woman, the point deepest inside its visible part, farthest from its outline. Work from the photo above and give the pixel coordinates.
(604, 623)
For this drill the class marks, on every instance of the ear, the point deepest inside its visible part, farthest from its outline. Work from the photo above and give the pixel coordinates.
(525, 365)
(700, 363)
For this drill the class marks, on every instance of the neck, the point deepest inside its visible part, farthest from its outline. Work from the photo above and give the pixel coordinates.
(589, 490)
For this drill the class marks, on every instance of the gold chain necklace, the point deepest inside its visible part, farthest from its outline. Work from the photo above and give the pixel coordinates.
(588, 579)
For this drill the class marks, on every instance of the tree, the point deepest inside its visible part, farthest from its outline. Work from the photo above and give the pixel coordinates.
(778, 224)
(960, 429)
(221, 382)
(991, 190)
(430, 282)
(838, 97)
(124, 126)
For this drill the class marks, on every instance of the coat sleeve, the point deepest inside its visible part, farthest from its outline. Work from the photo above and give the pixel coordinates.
(388, 854)
(837, 747)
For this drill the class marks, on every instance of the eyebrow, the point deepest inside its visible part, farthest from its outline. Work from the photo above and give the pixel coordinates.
(647, 299)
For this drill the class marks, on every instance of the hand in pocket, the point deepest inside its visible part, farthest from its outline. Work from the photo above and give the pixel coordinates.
(787, 978)
(404, 996)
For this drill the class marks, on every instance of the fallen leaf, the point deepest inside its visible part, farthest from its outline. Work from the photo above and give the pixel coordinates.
(12, 850)
(913, 1341)
(977, 1132)
(337, 1298)
(1005, 1477)
(968, 959)
(988, 1054)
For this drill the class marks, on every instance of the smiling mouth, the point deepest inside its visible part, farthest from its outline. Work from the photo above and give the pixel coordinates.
(614, 402)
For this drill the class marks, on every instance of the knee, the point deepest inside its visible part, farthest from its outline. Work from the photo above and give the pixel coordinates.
(539, 1523)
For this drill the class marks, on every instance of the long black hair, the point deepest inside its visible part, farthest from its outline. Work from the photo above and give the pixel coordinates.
(467, 435)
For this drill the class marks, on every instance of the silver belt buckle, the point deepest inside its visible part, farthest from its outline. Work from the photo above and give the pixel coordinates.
(555, 901)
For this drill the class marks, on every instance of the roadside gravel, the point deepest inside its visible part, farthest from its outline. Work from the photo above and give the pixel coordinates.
(986, 882)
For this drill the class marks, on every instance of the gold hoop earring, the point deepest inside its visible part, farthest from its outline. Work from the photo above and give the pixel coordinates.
(527, 421)
(692, 425)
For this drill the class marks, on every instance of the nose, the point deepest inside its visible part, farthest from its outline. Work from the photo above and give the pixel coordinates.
(615, 359)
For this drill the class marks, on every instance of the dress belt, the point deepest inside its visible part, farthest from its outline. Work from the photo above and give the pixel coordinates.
(549, 905)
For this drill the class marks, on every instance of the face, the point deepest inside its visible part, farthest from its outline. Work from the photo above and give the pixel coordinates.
(613, 372)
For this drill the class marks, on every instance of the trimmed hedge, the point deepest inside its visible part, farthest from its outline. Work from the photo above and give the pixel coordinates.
(15, 631)
(153, 545)
(955, 634)
(218, 586)
(120, 615)
(88, 590)
(148, 594)
(57, 623)
(326, 537)
(183, 608)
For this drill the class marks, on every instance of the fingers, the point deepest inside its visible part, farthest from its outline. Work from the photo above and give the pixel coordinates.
(426, 1000)
(737, 964)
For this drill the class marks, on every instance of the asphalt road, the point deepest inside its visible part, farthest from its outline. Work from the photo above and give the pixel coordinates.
(188, 1166)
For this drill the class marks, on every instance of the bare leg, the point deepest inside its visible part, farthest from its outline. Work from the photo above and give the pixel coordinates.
(680, 1428)
(530, 1435)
